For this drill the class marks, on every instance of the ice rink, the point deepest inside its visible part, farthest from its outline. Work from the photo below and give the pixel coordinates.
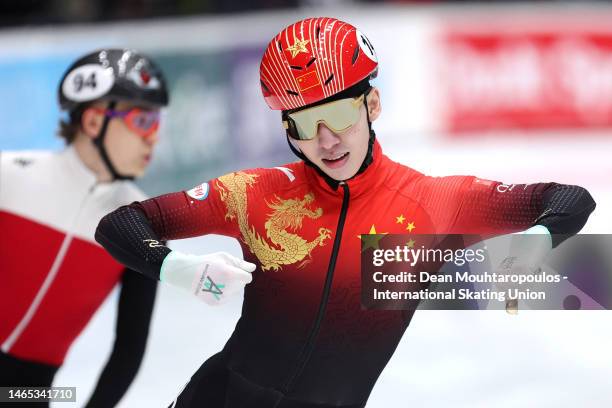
(460, 358)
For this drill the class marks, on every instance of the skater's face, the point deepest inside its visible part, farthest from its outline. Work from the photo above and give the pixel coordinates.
(339, 154)
(130, 136)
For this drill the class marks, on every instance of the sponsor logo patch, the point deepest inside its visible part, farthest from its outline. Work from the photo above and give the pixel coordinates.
(199, 192)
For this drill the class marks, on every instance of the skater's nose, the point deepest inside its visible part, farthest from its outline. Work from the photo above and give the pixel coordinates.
(326, 138)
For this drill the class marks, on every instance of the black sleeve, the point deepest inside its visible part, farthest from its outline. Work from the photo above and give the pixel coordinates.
(566, 209)
(127, 235)
(133, 317)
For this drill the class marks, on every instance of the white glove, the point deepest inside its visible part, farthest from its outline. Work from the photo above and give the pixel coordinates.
(213, 278)
(525, 257)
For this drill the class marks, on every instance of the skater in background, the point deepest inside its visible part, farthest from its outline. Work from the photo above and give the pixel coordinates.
(303, 340)
(54, 275)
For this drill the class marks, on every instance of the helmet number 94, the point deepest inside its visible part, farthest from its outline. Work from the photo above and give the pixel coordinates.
(80, 81)
(87, 83)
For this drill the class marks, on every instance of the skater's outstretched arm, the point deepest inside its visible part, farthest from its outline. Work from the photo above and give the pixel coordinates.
(134, 236)
(135, 307)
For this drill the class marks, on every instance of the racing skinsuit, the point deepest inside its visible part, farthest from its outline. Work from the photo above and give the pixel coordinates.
(54, 276)
(303, 339)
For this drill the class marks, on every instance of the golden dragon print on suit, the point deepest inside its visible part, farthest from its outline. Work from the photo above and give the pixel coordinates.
(287, 215)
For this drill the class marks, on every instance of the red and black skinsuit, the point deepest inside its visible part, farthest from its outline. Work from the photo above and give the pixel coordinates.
(303, 339)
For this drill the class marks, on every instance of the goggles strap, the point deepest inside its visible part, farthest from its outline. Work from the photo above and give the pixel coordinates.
(369, 158)
(99, 143)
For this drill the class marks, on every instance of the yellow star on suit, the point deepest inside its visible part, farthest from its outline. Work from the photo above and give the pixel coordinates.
(370, 240)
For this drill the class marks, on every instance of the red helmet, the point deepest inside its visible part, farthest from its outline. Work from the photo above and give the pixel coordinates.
(313, 59)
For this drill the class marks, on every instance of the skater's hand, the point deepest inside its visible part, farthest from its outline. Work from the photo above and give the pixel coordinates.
(527, 252)
(213, 278)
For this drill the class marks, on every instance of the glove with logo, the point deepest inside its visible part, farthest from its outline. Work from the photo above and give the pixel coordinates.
(213, 278)
(527, 252)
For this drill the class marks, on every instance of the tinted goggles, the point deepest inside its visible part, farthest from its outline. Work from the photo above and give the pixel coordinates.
(140, 121)
(338, 116)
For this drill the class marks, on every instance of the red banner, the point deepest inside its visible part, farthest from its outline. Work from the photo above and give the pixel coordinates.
(526, 79)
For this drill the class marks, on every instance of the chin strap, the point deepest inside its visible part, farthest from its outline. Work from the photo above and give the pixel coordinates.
(99, 143)
(369, 157)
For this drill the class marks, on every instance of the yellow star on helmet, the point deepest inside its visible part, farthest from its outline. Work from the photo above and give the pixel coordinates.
(410, 226)
(400, 219)
(297, 47)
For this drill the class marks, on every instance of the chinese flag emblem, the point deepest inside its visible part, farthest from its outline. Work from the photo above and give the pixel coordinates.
(308, 80)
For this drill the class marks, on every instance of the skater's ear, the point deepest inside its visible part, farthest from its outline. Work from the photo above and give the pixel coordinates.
(374, 106)
(92, 120)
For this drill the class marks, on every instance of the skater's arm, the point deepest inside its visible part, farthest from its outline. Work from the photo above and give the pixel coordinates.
(134, 236)
(546, 213)
(134, 311)
(493, 208)
(128, 236)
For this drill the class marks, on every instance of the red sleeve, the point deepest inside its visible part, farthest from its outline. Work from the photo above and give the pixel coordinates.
(191, 213)
(492, 208)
